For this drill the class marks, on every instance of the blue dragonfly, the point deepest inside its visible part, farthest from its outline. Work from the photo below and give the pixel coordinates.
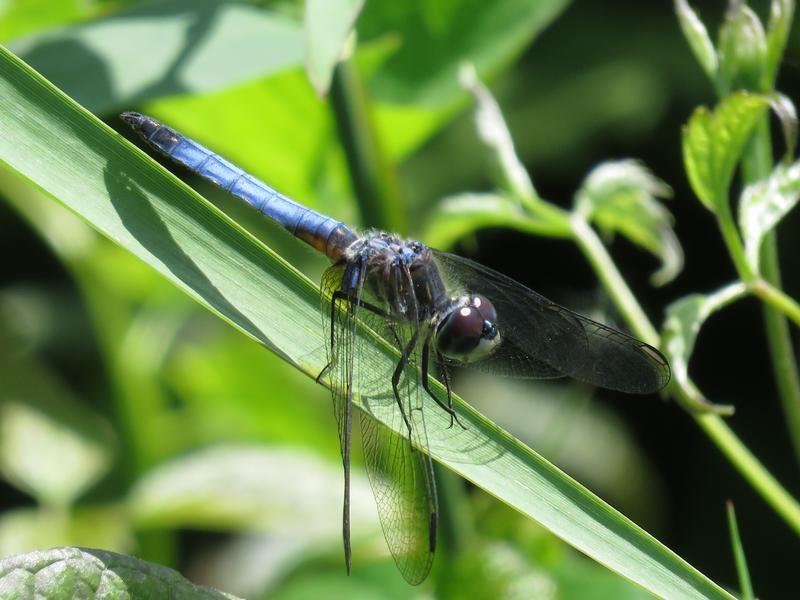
(434, 308)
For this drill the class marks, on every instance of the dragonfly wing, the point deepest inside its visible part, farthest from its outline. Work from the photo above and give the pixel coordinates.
(339, 325)
(398, 464)
(539, 338)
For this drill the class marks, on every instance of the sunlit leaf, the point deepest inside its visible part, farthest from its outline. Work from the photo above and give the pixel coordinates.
(622, 197)
(460, 215)
(495, 135)
(85, 573)
(54, 144)
(764, 204)
(164, 49)
(328, 23)
(697, 36)
(29, 529)
(738, 554)
(50, 445)
(684, 319)
(742, 48)
(435, 42)
(713, 143)
(247, 487)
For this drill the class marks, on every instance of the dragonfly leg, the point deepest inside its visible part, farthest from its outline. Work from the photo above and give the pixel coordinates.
(336, 296)
(401, 365)
(448, 408)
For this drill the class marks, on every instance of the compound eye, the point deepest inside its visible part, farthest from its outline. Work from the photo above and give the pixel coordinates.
(469, 333)
(485, 307)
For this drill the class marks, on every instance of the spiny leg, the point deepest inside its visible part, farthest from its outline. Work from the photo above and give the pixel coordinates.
(426, 385)
(401, 365)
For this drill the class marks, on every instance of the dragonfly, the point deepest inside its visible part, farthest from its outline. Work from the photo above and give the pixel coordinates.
(439, 311)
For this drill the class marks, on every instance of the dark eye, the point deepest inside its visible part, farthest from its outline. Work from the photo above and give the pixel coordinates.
(469, 332)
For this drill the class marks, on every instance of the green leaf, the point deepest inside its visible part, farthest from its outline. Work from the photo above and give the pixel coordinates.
(328, 25)
(85, 573)
(458, 216)
(622, 196)
(29, 529)
(109, 64)
(742, 51)
(697, 36)
(60, 148)
(51, 446)
(784, 109)
(738, 554)
(778, 27)
(244, 487)
(495, 135)
(763, 204)
(684, 319)
(439, 37)
(713, 143)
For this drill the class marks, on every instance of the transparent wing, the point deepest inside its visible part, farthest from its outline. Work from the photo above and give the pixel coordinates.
(339, 327)
(539, 338)
(398, 465)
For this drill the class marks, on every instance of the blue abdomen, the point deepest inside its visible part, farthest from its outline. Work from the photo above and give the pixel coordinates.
(323, 233)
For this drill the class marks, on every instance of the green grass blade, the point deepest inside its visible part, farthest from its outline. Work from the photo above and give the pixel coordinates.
(738, 554)
(60, 148)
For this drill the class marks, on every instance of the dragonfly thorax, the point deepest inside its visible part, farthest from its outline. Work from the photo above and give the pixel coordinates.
(400, 274)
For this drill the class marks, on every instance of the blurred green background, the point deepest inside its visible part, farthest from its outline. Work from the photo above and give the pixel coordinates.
(133, 420)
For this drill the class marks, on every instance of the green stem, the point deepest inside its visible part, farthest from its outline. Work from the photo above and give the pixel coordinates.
(777, 299)
(733, 242)
(750, 467)
(713, 425)
(374, 181)
(612, 279)
(757, 164)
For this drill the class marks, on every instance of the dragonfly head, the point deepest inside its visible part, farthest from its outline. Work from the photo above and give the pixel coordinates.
(469, 331)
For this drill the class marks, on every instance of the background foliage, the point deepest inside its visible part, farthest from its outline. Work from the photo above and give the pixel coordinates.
(135, 421)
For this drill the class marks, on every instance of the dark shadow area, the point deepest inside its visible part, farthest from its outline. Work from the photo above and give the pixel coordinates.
(144, 223)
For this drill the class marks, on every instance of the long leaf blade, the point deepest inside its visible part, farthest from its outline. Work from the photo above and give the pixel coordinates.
(60, 148)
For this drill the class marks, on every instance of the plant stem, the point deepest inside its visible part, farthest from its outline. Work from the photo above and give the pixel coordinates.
(713, 425)
(777, 299)
(750, 467)
(607, 272)
(757, 164)
(374, 181)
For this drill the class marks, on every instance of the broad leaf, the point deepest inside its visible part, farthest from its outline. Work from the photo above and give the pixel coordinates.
(86, 573)
(245, 487)
(622, 196)
(713, 143)
(162, 49)
(742, 48)
(328, 25)
(51, 445)
(684, 319)
(764, 204)
(437, 37)
(59, 147)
